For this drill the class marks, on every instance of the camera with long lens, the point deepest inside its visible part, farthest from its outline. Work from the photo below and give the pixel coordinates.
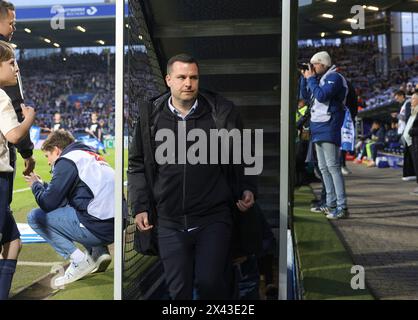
(304, 66)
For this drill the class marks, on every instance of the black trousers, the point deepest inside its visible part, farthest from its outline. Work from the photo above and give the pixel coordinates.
(408, 164)
(413, 150)
(8, 227)
(197, 259)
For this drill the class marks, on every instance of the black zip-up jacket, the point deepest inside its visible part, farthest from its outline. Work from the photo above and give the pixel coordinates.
(184, 195)
(25, 146)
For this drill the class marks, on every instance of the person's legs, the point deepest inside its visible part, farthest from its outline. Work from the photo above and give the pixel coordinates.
(61, 228)
(408, 167)
(413, 150)
(176, 253)
(212, 258)
(343, 154)
(326, 176)
(10, 244)
(331, 154)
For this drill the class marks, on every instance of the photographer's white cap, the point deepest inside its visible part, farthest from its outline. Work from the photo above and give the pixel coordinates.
(322, 58)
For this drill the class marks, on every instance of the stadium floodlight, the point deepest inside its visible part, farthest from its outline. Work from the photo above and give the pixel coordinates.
(351, 20)
(327, 15)
(101, 42)
(334, 1)
(371, 8)
(27, 30)
(80, 28)
(346, 32)
(322, 34)
(56, 45)
(140, 37)
(47, 40)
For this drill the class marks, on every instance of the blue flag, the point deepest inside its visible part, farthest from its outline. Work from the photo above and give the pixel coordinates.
(348, 133)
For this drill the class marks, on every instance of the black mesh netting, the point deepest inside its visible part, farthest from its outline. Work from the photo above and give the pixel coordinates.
(143, 80)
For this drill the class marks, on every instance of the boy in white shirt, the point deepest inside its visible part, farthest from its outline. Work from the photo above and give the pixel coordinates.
(10, 131)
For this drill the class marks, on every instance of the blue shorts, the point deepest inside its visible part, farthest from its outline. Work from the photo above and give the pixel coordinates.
(8, 227)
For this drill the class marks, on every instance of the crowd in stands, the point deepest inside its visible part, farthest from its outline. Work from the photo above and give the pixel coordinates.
(359, 64)
(49, 82)
(77, 85)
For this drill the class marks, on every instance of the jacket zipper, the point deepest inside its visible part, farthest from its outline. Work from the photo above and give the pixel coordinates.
(184, 183)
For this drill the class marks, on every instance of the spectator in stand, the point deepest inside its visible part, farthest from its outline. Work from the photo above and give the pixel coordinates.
(392, 136)
(377, 142)
(410, 89)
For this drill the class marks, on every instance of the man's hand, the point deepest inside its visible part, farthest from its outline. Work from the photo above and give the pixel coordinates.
(247, 201)
(308, 73)
(142, 223)
(32, 178)
(28, 112)
(29, 165)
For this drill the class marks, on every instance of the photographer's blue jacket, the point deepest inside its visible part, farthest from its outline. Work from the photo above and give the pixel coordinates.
(327, 111)
(83, 180)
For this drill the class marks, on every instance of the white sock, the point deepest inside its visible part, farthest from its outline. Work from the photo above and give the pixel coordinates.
(77, 256)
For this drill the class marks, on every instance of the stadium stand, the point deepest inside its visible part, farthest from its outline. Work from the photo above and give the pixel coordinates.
(75, 87)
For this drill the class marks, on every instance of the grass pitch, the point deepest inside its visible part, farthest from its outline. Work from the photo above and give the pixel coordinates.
(325, 265)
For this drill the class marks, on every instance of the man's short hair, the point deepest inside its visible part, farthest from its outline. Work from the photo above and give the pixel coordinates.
(400, 93)
(59, 138)
(182, 57)
(6, 51)
(5, 6)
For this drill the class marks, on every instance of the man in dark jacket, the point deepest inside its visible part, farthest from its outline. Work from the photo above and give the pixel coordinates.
(76, 206)
(329, 90)
(193, 202)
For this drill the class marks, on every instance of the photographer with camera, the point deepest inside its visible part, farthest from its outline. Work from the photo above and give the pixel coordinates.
(328, 89)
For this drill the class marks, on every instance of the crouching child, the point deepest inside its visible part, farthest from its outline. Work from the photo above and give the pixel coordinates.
(76, 206)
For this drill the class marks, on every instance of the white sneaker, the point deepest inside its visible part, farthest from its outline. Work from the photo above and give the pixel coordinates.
(76, 271)
(410, 178)
(345, 171)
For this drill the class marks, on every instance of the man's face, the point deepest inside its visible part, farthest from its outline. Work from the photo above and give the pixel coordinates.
(8, 25)
(399, 98)
(53, 155)
(183, 81)
(319, 68)
(8, 72)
